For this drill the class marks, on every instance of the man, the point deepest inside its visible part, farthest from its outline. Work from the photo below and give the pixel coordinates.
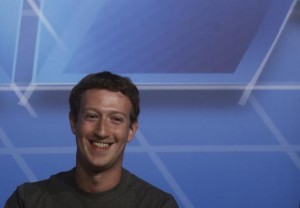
(104, 109)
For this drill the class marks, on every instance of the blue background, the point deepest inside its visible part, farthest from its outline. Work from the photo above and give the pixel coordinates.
(219, 85)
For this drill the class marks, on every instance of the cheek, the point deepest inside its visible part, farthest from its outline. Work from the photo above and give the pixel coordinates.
(84, 128)
(82, 135)
(121, 134)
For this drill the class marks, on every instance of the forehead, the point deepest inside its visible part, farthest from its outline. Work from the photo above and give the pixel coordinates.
(101, 98)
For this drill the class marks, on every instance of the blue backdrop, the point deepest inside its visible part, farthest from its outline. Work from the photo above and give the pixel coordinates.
(219, 83)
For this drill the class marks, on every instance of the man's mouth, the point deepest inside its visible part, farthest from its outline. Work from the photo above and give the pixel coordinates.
(102, 145)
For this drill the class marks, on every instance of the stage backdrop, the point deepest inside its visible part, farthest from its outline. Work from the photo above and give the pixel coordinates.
(219, 82)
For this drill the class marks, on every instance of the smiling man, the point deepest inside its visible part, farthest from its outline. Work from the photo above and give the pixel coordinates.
(104, 109)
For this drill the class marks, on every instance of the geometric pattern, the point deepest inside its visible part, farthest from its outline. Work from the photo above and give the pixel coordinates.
(227, 132)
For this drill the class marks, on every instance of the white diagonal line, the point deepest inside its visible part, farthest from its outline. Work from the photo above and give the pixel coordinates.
(246, 94)
(22, 100)
(165, 172)
(275, 131)
(26, 95)
(18, 158)
(85, 13)
(46, 23)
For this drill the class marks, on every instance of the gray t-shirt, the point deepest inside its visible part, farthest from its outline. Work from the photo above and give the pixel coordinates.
(61, 191)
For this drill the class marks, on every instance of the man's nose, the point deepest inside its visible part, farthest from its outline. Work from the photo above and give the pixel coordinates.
(101, 128)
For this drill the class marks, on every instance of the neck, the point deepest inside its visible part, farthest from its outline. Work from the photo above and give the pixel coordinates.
(95, 182)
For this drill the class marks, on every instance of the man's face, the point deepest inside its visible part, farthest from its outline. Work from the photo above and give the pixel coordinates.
(102, 129)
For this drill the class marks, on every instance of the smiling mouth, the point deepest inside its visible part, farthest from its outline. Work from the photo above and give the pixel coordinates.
(101, 145)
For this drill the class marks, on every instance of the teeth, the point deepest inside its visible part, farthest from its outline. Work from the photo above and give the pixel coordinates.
(101, 145)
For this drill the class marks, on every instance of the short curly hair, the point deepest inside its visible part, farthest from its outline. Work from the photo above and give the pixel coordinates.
(108, 81)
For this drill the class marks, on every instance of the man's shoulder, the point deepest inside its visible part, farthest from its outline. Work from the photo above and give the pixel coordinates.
(46, 185)
(41, 193)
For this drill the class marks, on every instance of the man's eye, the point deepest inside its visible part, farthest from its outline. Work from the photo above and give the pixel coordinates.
(91, 116)
(117, 119)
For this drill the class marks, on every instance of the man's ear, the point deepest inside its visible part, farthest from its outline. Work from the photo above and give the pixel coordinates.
(132, 130)
(72, 120)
